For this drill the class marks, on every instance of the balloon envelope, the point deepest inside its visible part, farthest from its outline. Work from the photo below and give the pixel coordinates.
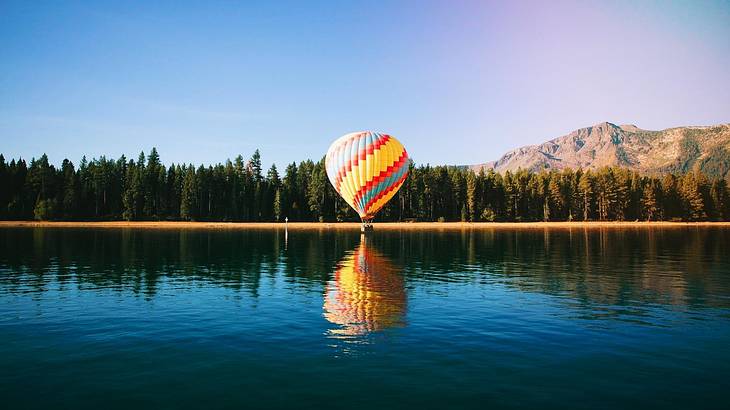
(367, 169)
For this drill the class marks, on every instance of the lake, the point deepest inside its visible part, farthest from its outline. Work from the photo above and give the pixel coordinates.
(500, 318)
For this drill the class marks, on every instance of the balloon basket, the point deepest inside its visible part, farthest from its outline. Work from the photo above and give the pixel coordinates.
(366, 227)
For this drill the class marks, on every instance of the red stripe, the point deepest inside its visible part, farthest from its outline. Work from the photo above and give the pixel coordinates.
(381, 176)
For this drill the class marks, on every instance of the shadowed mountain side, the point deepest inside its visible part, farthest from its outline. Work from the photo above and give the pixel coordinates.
(681, 149)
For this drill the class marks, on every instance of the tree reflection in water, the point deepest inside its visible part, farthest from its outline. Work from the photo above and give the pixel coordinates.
(590, 269)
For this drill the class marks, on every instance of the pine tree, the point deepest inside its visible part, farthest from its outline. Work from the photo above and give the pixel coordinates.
(720, 200)
(273, 177)
(277, 205)
(636, 194)
(649, 202)
(568, 192)
(132, 194)
(555, 195)
(694, 204)
(188, 195)
(238, 194)
(671, 206)
(471, 192)
(317, 190)
(254, 164)
(304, 177)
(542, 183)
(605, 188)
(70, 189)
(622, 193)
(172, 191)
(289, 191)
(151, 184)
(491, 194)
(20, 199)
(40, 178)
(457, 188)
(511, 190)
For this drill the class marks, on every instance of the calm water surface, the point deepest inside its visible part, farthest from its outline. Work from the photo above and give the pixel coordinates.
(559, 318)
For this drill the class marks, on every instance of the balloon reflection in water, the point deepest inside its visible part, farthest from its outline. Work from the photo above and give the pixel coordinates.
(367, 294)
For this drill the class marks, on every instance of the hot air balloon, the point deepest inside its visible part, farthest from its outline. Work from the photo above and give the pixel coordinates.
(367, 169)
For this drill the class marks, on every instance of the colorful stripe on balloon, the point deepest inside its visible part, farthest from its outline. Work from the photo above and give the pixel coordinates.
(367, 169)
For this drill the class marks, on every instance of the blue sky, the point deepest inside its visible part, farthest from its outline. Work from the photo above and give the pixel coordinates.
(456, 81)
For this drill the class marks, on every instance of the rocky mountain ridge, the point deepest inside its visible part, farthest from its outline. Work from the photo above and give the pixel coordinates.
(680, 149)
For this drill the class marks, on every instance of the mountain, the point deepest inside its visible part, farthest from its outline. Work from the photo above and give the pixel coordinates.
(679, 149)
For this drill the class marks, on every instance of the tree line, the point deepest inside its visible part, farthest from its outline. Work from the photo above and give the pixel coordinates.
(238, 190)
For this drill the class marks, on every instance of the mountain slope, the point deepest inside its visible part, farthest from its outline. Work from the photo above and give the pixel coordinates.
(679, 149)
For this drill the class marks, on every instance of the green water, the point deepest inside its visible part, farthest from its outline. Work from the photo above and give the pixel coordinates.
(553, 318)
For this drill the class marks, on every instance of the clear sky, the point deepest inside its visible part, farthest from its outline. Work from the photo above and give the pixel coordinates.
(456, 81)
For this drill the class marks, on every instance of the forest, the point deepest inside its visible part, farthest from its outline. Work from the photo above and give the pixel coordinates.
(240, 190)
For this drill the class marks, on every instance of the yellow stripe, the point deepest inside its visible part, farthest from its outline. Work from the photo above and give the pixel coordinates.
(363, 167)
(368, 161)
(394, 151)
(377, 158)
(350, 176)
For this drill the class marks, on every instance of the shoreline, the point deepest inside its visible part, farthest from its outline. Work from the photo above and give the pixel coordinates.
(353, 225)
